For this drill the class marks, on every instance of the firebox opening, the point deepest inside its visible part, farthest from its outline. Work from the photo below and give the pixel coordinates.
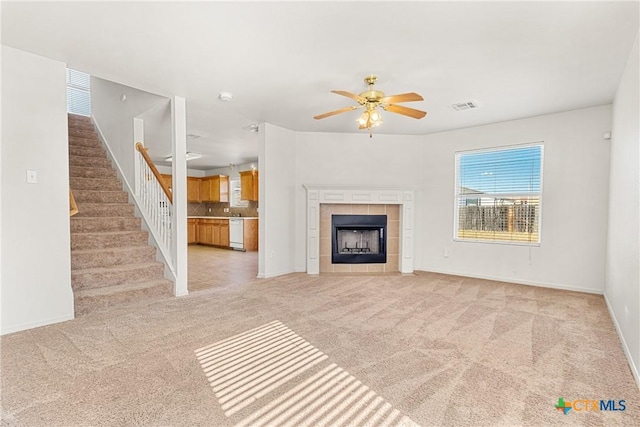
(358, 239)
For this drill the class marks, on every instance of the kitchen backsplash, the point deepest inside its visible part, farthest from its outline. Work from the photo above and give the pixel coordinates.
(217, 209)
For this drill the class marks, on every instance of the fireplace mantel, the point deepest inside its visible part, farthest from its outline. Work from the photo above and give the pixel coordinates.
(320, 194)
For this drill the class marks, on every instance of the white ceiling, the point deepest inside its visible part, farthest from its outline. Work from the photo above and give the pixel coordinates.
(281, 59)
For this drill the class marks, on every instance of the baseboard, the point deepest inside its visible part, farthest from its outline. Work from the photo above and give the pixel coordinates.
(625, 347)
(511, 280)
(37, 324)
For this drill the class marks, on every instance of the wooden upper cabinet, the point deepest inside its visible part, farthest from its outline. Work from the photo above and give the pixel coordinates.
(249, 185)
(214, 188)
(193, 189)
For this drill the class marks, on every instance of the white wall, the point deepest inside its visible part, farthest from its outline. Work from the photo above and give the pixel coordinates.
(115, 119)
(36, 262)
(622, 289)
(574, 214)
(277, 148)
(168, 170)
(574, 203)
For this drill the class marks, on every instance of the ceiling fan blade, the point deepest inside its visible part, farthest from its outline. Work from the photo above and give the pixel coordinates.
(403, 97)
(405, 111)
(358, 98)
(333, 113)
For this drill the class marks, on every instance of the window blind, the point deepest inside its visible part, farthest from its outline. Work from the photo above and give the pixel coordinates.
(498, 194)
(78, 92)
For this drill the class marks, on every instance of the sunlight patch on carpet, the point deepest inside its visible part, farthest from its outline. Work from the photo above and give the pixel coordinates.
(248, 366)
(331, 397)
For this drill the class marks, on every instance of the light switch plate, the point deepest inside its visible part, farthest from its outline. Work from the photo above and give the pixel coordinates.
(32, 177)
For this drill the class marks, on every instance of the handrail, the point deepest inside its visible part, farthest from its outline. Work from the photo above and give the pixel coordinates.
(141, 148)
(73, 207)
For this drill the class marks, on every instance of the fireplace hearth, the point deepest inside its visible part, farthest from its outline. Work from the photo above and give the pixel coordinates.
(358, 239)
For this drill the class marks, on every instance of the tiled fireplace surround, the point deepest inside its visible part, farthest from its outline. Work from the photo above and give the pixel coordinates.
(393, 237)
(396, 203)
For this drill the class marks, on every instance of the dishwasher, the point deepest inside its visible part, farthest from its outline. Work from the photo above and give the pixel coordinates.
(236, 233)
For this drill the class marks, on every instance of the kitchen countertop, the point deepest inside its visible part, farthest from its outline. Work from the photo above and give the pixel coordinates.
(222, 217)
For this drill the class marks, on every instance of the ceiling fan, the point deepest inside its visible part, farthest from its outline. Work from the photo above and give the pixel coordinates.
(371, 99)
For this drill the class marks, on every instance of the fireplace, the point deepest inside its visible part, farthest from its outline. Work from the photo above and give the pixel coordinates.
(358, 239)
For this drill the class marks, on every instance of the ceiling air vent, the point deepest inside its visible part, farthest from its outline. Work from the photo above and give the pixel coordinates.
(465, 105)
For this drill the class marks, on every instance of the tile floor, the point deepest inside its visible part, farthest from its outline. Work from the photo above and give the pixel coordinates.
(210, 267)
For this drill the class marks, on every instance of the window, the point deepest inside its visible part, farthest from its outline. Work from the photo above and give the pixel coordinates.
(498, 194)
(236, 193)
(78, 92)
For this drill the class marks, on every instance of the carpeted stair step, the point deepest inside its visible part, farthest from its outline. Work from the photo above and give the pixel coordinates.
(110, 239)
(89, 161)
(108, 184)
(105, 210)
(89, 300)
(99, 277)
(91, 172)
(94, 258)
(97, 196)
(82, 132)
(77, 141)
(102, 224)
(75, 150)
(75, 118)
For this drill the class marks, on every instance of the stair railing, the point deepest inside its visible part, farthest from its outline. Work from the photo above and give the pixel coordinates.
(155, 198)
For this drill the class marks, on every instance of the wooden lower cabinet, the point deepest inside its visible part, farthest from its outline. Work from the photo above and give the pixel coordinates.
(224, 232)
(251, 234)
(192, 231)
(205, 231)
(213, 232)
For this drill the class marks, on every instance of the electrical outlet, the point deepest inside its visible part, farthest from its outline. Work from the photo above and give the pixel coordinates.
(209, 210)
(32, 177)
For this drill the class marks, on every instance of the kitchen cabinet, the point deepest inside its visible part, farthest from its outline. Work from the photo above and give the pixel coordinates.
(249, 185)
(223, 226)
(214, 188)
(192, 231)
(213, 232)
(251, 234)
(193, 189)
(205, 231)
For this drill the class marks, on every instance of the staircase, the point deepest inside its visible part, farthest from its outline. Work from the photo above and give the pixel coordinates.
(111, 261)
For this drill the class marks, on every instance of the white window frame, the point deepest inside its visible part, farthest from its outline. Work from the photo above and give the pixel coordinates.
(233, 201)
(80, 103)
(456, 214)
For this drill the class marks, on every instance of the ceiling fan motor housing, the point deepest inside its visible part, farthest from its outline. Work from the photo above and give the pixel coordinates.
(372, 96)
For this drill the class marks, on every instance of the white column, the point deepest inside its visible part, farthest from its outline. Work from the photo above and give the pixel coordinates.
(179, 172)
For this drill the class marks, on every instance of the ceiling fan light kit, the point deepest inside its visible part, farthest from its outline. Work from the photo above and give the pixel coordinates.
(370, 100)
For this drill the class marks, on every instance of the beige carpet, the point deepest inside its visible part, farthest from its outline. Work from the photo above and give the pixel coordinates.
(298, 350)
